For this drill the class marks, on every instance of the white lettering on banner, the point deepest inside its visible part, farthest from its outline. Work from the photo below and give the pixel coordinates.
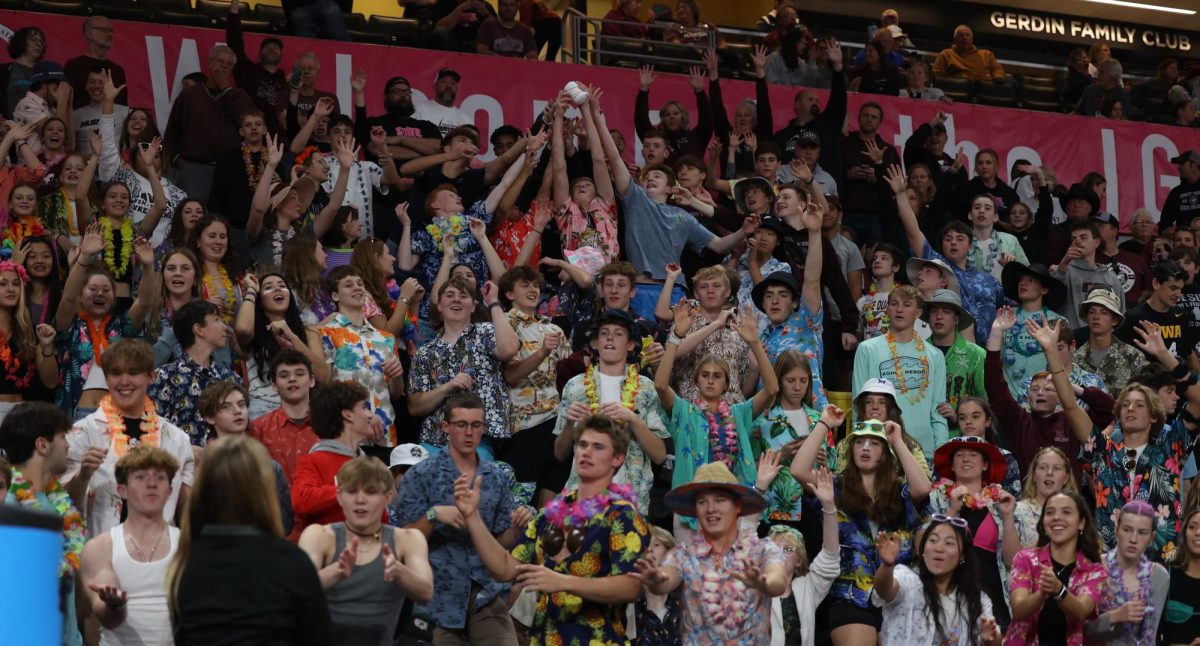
(344, 64)
(1149, 188)
(1036, 24)
(1021, 152)
(164, 95)
(902, 136)
(495, 118)
(1109, 144)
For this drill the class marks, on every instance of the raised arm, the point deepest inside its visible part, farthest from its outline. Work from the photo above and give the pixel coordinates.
(507, 343)
(92, 244)
(703, 129)
(494, 264)
(558, 156)
(802, 464)
(261, 201)
(918, 482)
(510, 175)
(896, 179)
(1047, 336)
(492, 554)
(811, 215)
(345, 152)
(887, 545)
(620, 172)
(662, 307)
(662, 376)
(496, 168)
(325, 106)
(406, 259)
(641, 104)
(600, 175)
(716, 102)
(747, 329)
(148, 285)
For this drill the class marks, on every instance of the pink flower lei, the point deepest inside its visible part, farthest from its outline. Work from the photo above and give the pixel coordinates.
(722, 435)
(578, 513)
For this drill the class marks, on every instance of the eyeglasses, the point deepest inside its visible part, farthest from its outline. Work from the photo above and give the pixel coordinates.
(462, 426)
(789, 549)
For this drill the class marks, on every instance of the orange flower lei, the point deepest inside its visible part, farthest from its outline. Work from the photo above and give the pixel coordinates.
(116, 425)
(900, 385)
(629, 390)
(228, 298)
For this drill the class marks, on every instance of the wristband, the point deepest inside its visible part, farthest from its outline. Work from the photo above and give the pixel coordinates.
(1062, 594)
(496, 304)
(829, 512)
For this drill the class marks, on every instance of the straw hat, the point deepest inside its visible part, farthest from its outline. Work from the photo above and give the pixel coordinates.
(714, 475)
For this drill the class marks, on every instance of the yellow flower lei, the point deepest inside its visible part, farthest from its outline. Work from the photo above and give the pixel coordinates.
(121, 268)
(900, 385)
(439, 232)
(228, 298)
(629, 390)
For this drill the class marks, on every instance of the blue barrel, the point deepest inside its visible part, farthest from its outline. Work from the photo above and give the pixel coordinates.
(33, 548)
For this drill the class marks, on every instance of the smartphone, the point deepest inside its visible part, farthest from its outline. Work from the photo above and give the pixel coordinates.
(295, 77)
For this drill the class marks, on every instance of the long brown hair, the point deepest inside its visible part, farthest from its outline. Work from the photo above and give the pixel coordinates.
(366, 260)
(787, 361)
(159, 301)
(234, 486)
(885, 505)
(1088, 541)
(22, 337)
(303, 276)
(1029, 491)
(1183, 555)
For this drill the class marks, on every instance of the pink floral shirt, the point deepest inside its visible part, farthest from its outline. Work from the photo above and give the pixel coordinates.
(718, 608)
(597, 227)
(1087, 579)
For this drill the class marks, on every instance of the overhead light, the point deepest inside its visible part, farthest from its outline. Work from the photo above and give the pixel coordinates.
(1149, 7)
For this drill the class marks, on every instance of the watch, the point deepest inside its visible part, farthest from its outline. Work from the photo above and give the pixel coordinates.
(1062, 594)
(431, 515)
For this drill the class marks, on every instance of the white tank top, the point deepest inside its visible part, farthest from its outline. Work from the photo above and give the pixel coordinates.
(147, 619)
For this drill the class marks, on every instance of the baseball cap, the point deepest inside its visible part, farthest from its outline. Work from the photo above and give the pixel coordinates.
(805, 139)
(396, 80)
(446, 71)
(407, 455)
(1104, 217)
(1187, 156)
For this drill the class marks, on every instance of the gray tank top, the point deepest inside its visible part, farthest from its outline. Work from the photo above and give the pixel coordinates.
(364, 608)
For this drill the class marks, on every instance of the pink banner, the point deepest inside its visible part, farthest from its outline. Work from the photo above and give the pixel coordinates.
(497, 91)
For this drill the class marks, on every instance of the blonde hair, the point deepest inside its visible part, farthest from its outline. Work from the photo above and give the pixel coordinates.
(364, 474)
(713, 360)
(1029, 491)
(715, 272)
(23, 338)
(234, 485)
(663, 536)
(1158, 414)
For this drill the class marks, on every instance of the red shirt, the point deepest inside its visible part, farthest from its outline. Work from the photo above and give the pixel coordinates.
(314, 494)
(285, 440)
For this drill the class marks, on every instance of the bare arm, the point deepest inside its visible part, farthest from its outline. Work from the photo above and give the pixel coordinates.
(321, 371)
(155, 213)
(916, 239)
(99, 582)
(558, 158)
(600, 174)
(811, 289)
(620, 173)
(317, 541)
(499, 165)
(406, 259)
(1077, 418)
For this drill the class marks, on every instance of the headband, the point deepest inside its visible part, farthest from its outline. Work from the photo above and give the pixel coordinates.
(302, 158)
(8, 265)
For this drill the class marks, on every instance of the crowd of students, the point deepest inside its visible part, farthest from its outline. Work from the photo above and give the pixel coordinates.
(561, 398)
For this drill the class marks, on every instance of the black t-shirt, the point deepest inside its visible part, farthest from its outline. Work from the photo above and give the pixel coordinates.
(985, 563)
(1184, 589)
(1189, 300)
(471, 186)
(406, 126)
(1052, 623)
(1177, 325)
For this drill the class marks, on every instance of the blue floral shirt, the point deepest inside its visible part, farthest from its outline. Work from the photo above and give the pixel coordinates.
(1078, 376)
(982, 294)
(176, 390)
(859, 558)
(801, 331)
(469, 251)
(76, 355)
(773, 430)
(475, 354)
(456, 565)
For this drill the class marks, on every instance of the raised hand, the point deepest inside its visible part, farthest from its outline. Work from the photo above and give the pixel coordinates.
(768, 467)
(812, 216)
(45, 334)
(888, 547)
(696, 78)
(112, 596)
(709, 57)
(835, 54)
(747, 323)
(402, 214)
(144, 251)
(1045, 333)
(874, 151)
(411, 290)
(345, 152)
(1005, 319)
(938, 119)
(895, 433)
(759, 57)
(93, 240)
(1006, 503)
(1150, 339)
(896, 179)
(111, 91)
(646, 76)
(324, 107)
(685, 314)
(833, 416)
(358, 82)
(823, 489)
(147, 152)
(478, 228)
(95, 141)
(274, 151)
(801, 170)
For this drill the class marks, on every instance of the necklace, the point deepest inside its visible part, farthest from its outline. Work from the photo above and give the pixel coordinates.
(441, 228)
(141, 553)
(118, 267)
(375, 535)
(253, 171)
(60, 503)
(981, 499)
(228, 297)
(722, 432)
(629, 390)
(278, 237)
(1118, 594)
(97, 332)
(13, 364)
(901, 384)
(116, 426)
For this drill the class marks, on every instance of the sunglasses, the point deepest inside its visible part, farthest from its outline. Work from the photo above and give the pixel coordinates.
(1131, 457)
(953, 520)
(868, 426)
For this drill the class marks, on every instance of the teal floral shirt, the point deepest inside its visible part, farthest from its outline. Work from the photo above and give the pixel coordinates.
(773, 430)
(637, 470)
(690, 432)
(612, 543)
(1021, 353)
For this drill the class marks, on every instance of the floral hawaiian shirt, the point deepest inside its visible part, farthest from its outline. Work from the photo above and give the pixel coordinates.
(176, 390)
(637, 470)
(430, 250)
(964, 371)
(655, 631)
(801, 331)
(859, 558)
(357, 354)
(745, 295)
(773, 430)
(1087, 579)
(985, 254)
(596, 227)
(1021, 353)
(1154, 479)
(1118, 366)
(693, 443)
(510, 236)
(475, 354)
(981, 293)
(76, 357)
(452, 555)
(535, 399)
(1078, 377)
(718, 608)
(724, 344)
(612, 543)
